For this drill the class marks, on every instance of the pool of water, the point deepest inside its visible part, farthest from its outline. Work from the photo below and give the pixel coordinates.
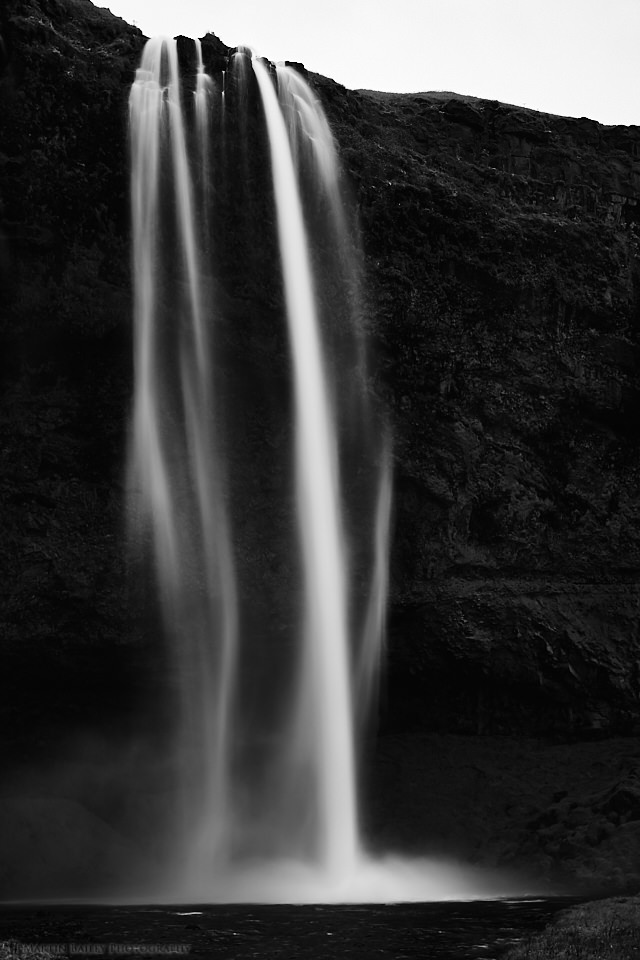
(452, 930)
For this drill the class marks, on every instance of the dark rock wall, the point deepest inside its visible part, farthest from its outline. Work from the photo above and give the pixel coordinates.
(503, 276)
(65, 318)
(502, 302)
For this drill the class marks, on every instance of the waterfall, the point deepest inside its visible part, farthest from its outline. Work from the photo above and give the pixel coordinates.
(274, 783)
(259, 487)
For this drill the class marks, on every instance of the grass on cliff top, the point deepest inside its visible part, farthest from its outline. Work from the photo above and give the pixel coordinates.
(601, 930)
(445, 95)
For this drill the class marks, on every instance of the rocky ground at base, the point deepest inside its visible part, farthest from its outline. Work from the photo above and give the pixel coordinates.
(596, 930)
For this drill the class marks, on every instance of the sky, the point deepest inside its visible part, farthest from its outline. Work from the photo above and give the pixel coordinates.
(571, 57)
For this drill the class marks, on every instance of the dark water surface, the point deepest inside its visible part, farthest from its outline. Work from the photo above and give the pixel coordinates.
(430, 931)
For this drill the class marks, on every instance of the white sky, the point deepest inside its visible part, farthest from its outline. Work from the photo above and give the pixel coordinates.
(571, 57)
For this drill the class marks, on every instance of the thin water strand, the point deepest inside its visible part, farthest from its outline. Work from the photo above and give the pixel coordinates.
(313, 145)
(146, 456)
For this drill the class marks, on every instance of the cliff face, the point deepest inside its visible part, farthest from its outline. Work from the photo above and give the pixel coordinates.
(65, 312)
(502, 251)
(502, 300)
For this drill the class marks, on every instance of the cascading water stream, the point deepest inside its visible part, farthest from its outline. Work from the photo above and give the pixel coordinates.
(323, 707)
(174, 473)
(310, 136)
(202, 99)
(262, 794)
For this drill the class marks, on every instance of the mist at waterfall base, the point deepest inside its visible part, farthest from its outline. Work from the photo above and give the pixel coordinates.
(260, 490)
